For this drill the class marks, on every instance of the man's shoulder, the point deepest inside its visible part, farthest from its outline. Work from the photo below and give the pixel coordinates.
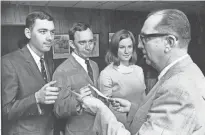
(65, 65)
(13, 56)
(186, 81)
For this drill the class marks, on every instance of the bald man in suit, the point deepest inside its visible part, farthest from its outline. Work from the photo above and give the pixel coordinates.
(175, 105)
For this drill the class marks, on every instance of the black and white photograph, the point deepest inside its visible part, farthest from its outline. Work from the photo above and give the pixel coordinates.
(64, 73)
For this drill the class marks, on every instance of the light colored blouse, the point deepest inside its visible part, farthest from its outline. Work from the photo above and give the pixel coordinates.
(123, 82)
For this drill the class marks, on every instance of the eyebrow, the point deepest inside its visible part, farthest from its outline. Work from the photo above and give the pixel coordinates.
(127, 45)
(46, 29)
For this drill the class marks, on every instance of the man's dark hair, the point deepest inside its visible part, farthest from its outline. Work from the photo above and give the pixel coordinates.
(80, 26)
(31, 18)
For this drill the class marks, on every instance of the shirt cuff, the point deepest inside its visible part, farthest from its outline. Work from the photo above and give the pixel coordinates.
(38, 106)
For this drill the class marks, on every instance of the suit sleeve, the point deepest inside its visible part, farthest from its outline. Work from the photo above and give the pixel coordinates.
(66, 105)
(171, 113)
(14, 108)
(106, 123)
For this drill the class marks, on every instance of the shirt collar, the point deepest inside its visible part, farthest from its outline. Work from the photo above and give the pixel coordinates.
(34, 55)
(80, 60)
(164, 71)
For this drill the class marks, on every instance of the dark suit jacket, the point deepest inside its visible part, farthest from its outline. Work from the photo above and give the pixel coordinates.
(21, 78)
(70, 75)
(174, 106)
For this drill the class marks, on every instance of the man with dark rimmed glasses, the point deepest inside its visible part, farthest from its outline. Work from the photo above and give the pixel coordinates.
(143, 38)
(175, 105)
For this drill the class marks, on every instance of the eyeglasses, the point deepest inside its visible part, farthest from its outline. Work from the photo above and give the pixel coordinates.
(84, 42)
(144, 38)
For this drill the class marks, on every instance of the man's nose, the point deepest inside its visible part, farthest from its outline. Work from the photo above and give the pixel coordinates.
(50, 36)
(88, 46)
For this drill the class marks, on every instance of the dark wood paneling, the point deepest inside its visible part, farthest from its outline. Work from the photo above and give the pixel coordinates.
(102, 22)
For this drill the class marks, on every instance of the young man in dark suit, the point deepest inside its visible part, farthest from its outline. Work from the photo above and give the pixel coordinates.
(27, 93)
(73, 74)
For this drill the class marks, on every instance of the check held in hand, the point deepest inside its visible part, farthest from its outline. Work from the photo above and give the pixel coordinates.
(82, 93)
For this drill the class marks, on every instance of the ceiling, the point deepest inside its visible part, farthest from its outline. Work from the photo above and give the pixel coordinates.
(140, 5)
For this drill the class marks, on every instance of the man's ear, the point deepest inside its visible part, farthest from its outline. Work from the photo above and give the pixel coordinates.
(171, 40)
(27, 33)
(168, 45)
(71, 43)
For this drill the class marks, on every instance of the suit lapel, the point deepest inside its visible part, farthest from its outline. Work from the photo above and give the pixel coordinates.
(172, 71)
(177, 68)
(141, 114)
(32, 65)
(80, 69)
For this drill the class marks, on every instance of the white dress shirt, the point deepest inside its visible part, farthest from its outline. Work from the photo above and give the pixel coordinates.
(81, 61)
(35, 57)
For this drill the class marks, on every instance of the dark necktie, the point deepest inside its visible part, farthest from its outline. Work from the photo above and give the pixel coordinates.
(90, 71)
(43, 70)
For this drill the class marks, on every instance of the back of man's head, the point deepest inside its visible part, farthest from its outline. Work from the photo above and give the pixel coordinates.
(31, 18)
(174, 22)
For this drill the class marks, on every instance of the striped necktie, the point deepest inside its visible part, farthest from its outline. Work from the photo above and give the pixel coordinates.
(90, 71)
(43, 70)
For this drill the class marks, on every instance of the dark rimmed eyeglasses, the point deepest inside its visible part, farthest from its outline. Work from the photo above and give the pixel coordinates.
(144, 38)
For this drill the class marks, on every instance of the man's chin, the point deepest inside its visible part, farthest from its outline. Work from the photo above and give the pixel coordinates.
(86, 55)
(46, 50)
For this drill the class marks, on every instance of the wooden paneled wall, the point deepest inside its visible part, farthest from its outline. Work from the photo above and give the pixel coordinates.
(102, 21)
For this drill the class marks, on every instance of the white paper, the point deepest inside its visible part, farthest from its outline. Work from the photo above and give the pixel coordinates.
(98, 92)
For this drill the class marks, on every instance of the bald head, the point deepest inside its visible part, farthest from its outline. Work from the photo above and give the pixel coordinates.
(174, 22)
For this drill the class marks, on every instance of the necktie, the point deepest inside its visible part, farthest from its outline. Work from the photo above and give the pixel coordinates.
(43, 70)
(90, 71)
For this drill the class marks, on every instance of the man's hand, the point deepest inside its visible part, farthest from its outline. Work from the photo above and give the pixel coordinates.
(121, 105)
(93, 104)
(47, 94)
(83, 92)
